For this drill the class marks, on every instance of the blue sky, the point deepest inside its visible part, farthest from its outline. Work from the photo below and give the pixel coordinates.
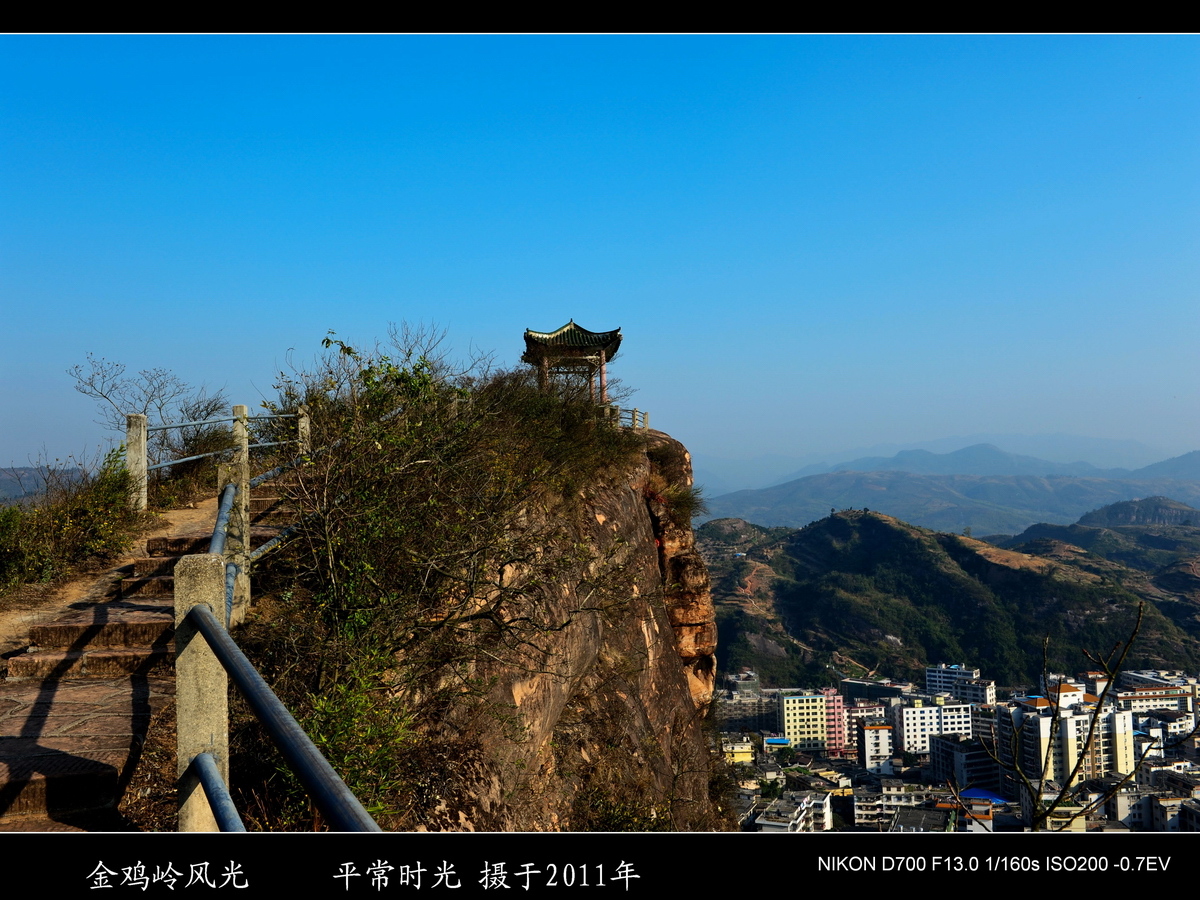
(810, 243)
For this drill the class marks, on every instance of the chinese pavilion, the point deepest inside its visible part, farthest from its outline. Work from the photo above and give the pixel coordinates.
(573, 350)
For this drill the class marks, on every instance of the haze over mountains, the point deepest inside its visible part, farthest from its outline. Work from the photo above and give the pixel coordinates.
(981, 487)
(720, 475)
(17, 482)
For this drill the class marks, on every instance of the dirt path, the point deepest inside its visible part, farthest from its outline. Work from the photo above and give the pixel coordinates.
(36, 603)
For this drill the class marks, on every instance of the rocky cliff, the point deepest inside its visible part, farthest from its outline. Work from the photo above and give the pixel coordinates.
(603, 727)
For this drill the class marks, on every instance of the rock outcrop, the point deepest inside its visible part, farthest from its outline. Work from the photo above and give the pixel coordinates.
(603, 727)
(1148, 511)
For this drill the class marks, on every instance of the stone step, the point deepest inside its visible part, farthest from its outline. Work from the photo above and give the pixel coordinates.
(67, 748)
(259, 505)
(149, 586)
(155, 565)
(180, 545)
(38, 823)
(107, 662)
(56, 777)
(186, 545)
(121, 623)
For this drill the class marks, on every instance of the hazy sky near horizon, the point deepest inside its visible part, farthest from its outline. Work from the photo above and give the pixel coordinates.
(810, 243)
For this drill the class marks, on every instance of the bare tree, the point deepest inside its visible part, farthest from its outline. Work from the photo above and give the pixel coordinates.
(156, 393)
(1045, 782)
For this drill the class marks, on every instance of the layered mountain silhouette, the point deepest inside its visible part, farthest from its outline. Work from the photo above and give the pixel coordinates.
(981, 487)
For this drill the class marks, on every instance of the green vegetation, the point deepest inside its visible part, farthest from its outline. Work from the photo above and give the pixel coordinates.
(1144, 547)
(866, 592)
(748, 642)
(437, 534)
(75, 519)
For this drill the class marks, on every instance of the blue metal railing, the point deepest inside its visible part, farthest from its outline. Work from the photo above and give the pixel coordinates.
(204, 767)
(329, 793)
(217, 544)
(176, 462)
(171, 425)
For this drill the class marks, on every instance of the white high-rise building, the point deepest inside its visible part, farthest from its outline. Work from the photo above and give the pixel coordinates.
(961, 682)
(874, 745)
(1051, 733)
(941, 678)
(918, 720)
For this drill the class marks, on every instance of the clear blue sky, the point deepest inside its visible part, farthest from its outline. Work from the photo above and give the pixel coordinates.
(810, 242)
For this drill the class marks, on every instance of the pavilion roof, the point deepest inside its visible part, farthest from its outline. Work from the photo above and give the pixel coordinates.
(572, 339)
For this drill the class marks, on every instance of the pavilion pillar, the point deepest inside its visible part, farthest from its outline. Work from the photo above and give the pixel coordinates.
(603, 377)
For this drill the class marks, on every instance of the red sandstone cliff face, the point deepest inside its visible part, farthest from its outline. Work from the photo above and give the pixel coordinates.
(686, 585)
(603, 727)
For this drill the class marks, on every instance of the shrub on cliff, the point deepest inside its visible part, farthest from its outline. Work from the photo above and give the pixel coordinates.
(77, 515)
(423, 555)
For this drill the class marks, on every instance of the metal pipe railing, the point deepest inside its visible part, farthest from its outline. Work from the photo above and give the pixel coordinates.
(175, 462)
(189, 424)
(217, 544)
(219, 421)
(204, 767)
(137, 431)
(277, 540)
(329, 793)
(232, 570)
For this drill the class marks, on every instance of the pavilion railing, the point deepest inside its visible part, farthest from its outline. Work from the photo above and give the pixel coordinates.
(637, 419)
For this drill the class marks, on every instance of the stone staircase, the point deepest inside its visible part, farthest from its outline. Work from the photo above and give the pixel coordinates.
(272, 504)
(76, 706)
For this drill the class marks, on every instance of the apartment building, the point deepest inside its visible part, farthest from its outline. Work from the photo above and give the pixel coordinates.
(875, 745)
(1051, 732)
(738, 749)
(919, 719)
(877, 808)
(1146, 697)
(804, 721)
(797, 811)
(962, 761)
(854, 689)
(835, 722)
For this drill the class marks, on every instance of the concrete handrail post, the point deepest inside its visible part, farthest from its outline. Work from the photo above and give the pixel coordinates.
(645, 421)
(237, 541)
(201, 687)
(136, 433)
(303, 430)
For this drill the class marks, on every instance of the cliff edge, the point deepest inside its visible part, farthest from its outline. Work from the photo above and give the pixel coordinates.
(605, 723)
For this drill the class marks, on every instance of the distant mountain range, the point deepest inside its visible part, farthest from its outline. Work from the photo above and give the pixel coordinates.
(723, 475)
(980, 487)
(21, 481)
(980, 459)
